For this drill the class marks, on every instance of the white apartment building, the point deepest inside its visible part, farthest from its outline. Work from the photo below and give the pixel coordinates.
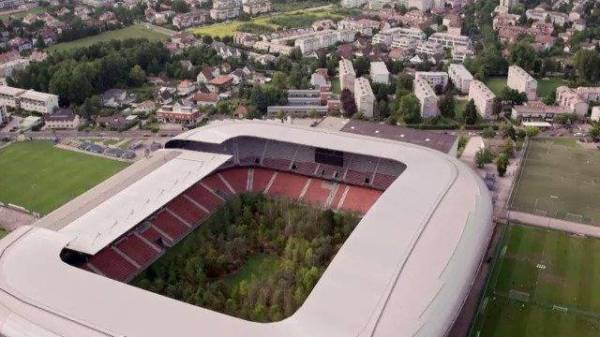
(460, 77)
(427, 97)
(364, 97)
(434, 78)
(404, 43)
(7, 69)
(380, 73)
(422, 5)
(450, 40)
(363, 26)
(41, 102)
(389, 35)
(9, 96)
(323, 39)
(255, 7)
(347, 75)
(577, 100)
(62, 119)
(353, 3)
(460, 53)
(225, 9)
(430, 48)
(10, 4)
(483, 98)
(520, 80)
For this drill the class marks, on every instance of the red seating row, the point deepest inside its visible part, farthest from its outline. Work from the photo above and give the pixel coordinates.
(287, 185)
(217, 185)
(184, 208)
(113, 265)
(360, 199)
(204, 197)
(170, 225)
(383, 181)
(261, 179)
(357, 178)
(137, 249)
(318, 192)
(305, 168)
(278, 164)
(237, 178)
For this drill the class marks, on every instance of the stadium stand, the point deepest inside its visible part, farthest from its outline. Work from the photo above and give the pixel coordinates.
(288, 186)
(279, 156)
(137, 249)
(260, 179)
(237, 178)
(113, 265)
(218, 186)
(170, 225)
(250, 150)
(186, 210)
(204, 197)
(318, 192)
(359, 199)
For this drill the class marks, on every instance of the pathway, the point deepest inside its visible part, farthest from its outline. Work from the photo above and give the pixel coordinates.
(562, 225)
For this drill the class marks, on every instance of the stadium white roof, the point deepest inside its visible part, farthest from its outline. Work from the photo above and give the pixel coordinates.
(117, 215)
(405, 270)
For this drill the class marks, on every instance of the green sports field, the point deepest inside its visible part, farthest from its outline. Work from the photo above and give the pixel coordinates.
(138, 31)
(41, 178)
(560, 179)
(544, 283)
(545, 86)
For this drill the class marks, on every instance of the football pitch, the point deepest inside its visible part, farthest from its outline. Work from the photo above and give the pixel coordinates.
(40, 177)
(560, 179)
(544, 283)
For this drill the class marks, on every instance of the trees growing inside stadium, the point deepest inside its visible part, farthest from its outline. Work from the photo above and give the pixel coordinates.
(348, 103)
(255, 258)
(447, 105)
(502, 164)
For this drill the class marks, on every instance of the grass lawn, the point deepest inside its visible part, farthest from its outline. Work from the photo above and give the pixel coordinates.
(40, 177)
(3, 233)
(546, 86)
(459, 108)
(560, 179)
(19, 15)
(544, 283)
(496, 84)
(297, 18)
(259, 266)
(138, 31)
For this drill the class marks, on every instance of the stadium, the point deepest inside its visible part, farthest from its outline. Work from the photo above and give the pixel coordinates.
(405, 270)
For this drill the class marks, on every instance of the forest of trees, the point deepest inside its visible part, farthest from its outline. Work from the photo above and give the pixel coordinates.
(204, 269)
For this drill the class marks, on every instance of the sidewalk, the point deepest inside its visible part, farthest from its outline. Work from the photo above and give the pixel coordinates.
(562, 225)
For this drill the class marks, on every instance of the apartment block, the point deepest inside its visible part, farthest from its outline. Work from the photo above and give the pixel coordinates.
(347, 75)
(225, 9)
(389, 35)
(483, 98)
(380, 73)
(364, 97)
(450, 40)
(434, 78)
(41, 102)
(520, 80)
(460, 77)
(255, 7)
(9, 96)
(427, 97)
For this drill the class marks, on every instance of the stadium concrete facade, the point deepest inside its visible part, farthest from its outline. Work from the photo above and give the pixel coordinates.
(405, 270)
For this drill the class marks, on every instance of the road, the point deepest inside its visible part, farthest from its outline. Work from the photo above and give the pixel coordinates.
(91, 134)
(561, 225)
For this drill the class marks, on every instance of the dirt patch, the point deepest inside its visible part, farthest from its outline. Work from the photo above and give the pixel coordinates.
(11, 219)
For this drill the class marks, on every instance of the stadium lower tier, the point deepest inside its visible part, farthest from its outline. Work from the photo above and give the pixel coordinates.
(140, 247)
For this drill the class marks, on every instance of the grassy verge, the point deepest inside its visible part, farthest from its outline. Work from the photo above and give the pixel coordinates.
(40, 177)
(138, 31)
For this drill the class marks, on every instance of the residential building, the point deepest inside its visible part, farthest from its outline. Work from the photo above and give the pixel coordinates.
(537, 111)
(178, 113)
(483, 98)
(389, 35)
(255, 7)
(347, 75)
(430, 48)
(595, 117)
(9, 96)
(194, 18)
(10, 4)
(449, 40)
(520, 80)
(577, 100)
(379, 73)
(225, 9)
(427, 98)
(353, 3)
(460, 77)
(363, 26)
(460, 53)
(204, 99)
(41, 102)
(434, 78)
(422, 5)
(364, 97)
(62, 119)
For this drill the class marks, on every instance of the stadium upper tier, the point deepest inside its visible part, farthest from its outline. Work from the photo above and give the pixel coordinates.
(404, 271)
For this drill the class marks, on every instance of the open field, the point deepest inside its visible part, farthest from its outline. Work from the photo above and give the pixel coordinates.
(545, 86)
(496, 84)
(138, 31)
(560, 179)
(544, 283)
(291, 19)
(41, 178)
(22, 14)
